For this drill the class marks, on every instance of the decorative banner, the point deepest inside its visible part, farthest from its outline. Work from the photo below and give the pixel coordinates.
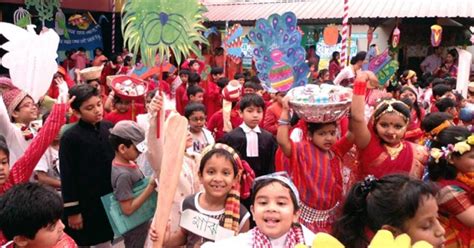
(43, 8)
(330, 35)
(378, 62)
(34, 71)
(163, 27)
(436, 34)
(387, 72)
(233, 43)
(89, 39)
(279, 56)
(383, 66)
(21, 17)
(395, 37)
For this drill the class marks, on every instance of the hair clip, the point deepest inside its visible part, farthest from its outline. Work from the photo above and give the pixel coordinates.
(464, 146)
(281, 176)
(446, 151)
(440, 128)
(368, 184)
(436, 154)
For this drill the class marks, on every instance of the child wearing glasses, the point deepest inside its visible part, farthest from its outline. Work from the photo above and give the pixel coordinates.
(196, 115)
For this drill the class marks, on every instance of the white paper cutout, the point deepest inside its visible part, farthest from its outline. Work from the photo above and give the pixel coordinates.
(31, 58)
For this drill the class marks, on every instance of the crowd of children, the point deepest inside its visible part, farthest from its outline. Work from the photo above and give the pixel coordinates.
(265, 177)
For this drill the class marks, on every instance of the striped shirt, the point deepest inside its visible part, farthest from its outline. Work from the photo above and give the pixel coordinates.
(317, 174)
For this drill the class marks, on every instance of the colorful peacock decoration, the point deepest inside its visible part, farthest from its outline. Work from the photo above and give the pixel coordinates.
(163, 27)
(280, 58)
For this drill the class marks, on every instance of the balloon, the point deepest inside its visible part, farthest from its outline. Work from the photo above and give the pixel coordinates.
(330, 35)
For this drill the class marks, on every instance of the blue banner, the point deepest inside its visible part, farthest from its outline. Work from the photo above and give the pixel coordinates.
(89, 39)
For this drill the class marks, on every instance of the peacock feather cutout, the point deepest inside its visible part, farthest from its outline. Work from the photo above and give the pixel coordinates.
(163, 27)
(279, 56)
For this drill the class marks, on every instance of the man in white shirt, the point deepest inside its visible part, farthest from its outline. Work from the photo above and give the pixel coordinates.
(432, 62)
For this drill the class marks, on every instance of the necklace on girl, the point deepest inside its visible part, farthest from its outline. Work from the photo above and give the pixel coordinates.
(394, 151)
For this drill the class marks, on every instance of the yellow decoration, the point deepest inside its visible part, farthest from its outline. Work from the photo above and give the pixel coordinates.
(470, 139)
(382, 239)
(462, 147)
(385, 239)
(436, 154)
(324, 240)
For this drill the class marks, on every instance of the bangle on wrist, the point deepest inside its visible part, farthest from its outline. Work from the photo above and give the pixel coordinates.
(282, 122)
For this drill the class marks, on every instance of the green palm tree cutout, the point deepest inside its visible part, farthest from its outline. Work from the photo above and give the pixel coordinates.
(44, 8)
(163, 27)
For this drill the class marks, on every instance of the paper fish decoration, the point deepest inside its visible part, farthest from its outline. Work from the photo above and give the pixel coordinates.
(233, 43)
(35, 70)
(395, 37)
(436, 34)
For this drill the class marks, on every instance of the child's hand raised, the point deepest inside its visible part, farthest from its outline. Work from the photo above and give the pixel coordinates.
(156, 103)
(285, 102)
(63, 96)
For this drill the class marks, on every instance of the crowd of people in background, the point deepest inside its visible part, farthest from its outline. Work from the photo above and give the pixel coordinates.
(402, 160)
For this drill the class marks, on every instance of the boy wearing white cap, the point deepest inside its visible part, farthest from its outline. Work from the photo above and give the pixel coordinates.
(128, 141)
